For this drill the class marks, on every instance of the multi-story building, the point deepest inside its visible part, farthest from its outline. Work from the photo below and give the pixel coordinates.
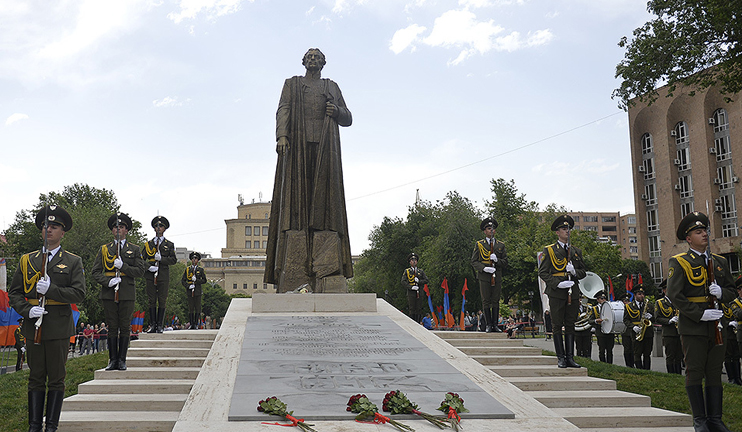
(241, 267)
(684, 152)
(610, 227)
(629, 237)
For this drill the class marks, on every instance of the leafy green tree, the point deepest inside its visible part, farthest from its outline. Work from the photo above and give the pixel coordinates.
(695, 43)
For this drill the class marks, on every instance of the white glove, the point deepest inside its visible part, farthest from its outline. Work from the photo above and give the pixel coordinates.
(118, 263)
(493, 257)
(715, 290)
(712, 315)
(570, 268)
(42, 286)
(733, 324)
(674, 319)
(193, 278)
(416, 279)
(415, 288)
(566, 284)
(114, 281)
(489, 270)
(637, 329)
(153, 269)
(192, 286)
(23, 349)
(648, 315)
(158, 256)
(36, 311)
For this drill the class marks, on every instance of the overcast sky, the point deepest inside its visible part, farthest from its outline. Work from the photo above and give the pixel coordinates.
(171, 103)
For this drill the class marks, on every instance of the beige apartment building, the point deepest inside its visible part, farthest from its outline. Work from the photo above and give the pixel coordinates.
(611, 227)
(686, 153)
(241, 267)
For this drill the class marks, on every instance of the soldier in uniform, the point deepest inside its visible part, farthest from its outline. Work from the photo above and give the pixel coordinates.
(561, 269)
(735, 306)
(20, 346)
(489, 259)
(412, 279)
(605, 340)
(193, 277)
(62, 284)
(731, 353)
(691, 291)
(583, 330)
(627, 337)
(116, 271)
(637, 316)
(667, 315)
(159, 255)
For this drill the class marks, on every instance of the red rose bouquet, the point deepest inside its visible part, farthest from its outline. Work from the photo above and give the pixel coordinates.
(397, 402)
(274, 406)
(367, 410)
(453, 405)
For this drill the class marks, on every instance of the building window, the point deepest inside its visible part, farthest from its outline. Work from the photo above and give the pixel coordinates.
(720, 120)
(254, 286)
(633, 249)
(632, 230)
(249, 216)
(613, 238)
(234, 286)
(265, 244)
(648, 165)
(265, 286)
(686, 208)
(248, 244)
(591, 228)
(655, 250)
(686, 186)
(656, 269)
(632, 240)
(590, 219)
(724, 177)
(257, 244)
(646, 143)
(650, 191)
(266, 215)
(729, 229)
(609, 228)
(576, 218)
(248, 231)
(257, 231)
(722, 148)
(632, 220)
(683, 162)
(652, 220)
(728, 208)
(681, 134)
(244, 286)
(607, 219)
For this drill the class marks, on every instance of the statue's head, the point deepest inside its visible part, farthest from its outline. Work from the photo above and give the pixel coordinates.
(313, 59)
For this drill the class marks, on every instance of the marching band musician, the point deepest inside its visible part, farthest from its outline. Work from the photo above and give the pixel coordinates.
(489, 259)
(637, 317)
(627, 337)
(159, 253)
(116, 266)
(583, 330)
(731, 352)
(413, 279)
(691, 291)
(63, 284)
(193, 278)
(606, 341)
(667, 315)
(561, 269)
(735, 306)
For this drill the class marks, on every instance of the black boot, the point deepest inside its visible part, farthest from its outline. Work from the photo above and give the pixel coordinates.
(728, 369)
(152, 320)
(192, 320)
(714, 397)
(559, 349)
(53, 409)
(670, 367)
(488, 321)
(697, 407)
(569, 350)
(113, 356)
(123, 347)
(629, 359)
(35, 410)
(737, 376)
(679, 368)
(495, 315)
(160, 319)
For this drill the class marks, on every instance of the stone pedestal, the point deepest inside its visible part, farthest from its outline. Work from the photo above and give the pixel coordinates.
(294, 266)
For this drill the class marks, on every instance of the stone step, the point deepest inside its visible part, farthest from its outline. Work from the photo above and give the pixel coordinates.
(658, 429)
(135, 351)
(499, 351)
(181, 334)
(507, 371)
(172, 343)
(638, 417)
(485, 342)
(131, 402)
(593, 399)
(562, 383)
(515, 360)
(446, 335)
(164, 362)
(142, 386)
(118, 421)
(150, 373)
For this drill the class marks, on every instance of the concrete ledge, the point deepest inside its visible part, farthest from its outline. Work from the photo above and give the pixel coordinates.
(282, 303)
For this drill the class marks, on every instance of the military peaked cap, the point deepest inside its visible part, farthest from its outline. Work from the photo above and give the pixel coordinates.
(600, 294)
(195, 255)
(160, 220)
(639, 289)
(123, 219)
(691, 222)
(488, 222)
(562, 221)
(413, 255)
(54, 214)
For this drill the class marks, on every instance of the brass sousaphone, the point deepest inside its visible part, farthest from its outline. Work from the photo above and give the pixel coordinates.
(589, 286)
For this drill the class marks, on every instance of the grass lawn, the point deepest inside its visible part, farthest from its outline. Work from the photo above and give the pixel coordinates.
(14, 388)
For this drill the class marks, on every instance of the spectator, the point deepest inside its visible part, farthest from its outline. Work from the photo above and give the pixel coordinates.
(87, 342)
(428, 321)
(103, 336)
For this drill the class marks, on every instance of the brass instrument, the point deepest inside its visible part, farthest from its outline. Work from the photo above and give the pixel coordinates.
(583, 322)
(645, 323)
(677, 314)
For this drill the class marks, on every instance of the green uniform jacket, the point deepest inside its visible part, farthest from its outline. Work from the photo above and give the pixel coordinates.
(67, 286)
(552, 272)
(665, 311)
(103, 270)
(680, 289)
(633, 316)
(186, 280)
(167, 251)
(736, 307)
(479, 261)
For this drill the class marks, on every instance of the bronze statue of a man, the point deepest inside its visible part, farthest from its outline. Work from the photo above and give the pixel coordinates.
(308, 236)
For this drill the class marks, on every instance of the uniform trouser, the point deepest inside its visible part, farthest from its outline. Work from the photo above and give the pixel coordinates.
(490, 299)
(19, 359)
(643, 351)
(118, 317)
(584, 342)
(605, 346)
(563, 314)
(673, 350)
(703, 359)
(157, 293)
(414, 302)
(731, 352)
(47, 364)
(194, 304)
